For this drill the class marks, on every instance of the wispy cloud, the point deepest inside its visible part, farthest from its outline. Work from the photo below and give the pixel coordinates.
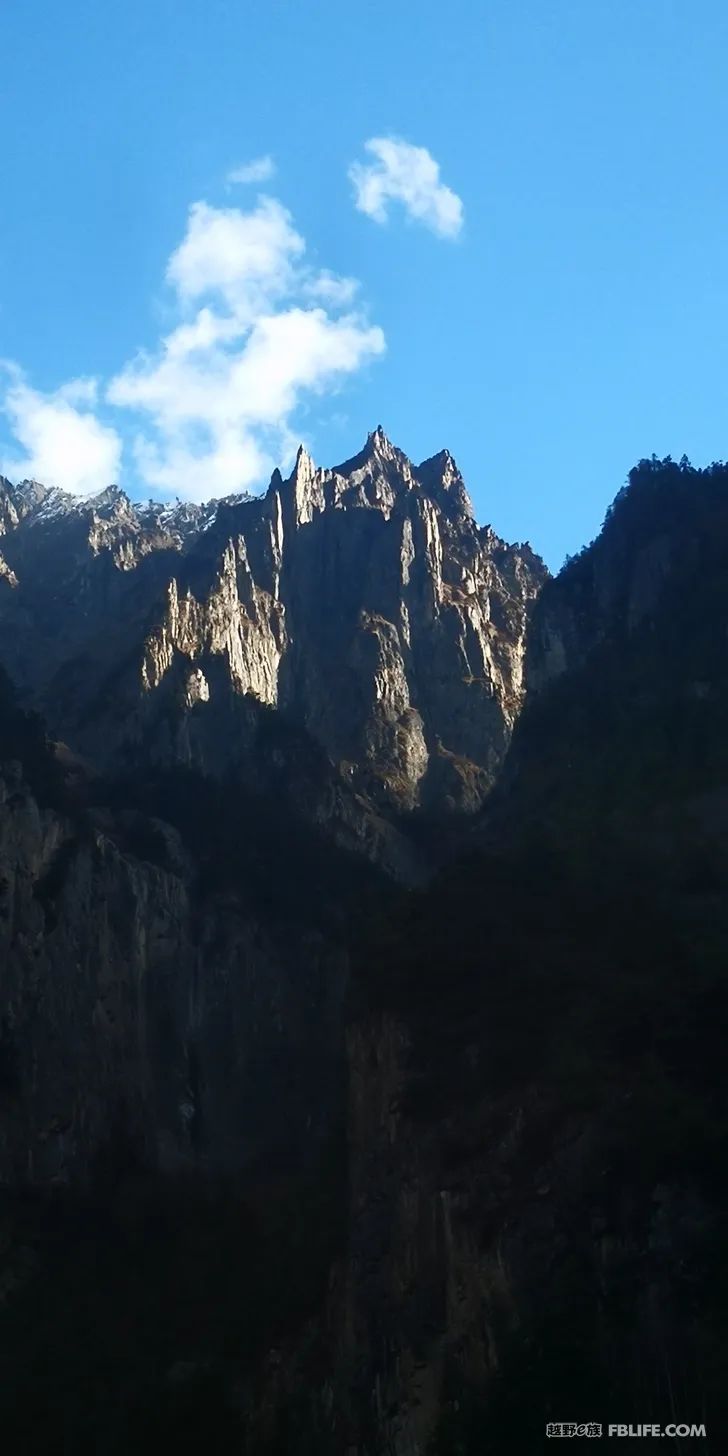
(210, 410)
(401, 172)
(261, 169)
(328, 288)
(60, 439)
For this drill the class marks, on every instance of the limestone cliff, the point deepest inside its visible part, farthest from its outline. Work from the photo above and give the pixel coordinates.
(363, 602)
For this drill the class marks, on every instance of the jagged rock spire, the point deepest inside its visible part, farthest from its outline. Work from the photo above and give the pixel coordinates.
(440, 477)
(305, 466)
(380, 445)
(111, 496)
(303, 488)
(378, 448)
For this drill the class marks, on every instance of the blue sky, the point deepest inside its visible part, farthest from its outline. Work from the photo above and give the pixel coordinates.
(567, 316)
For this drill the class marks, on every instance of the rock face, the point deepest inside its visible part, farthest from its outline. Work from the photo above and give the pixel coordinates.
(192, 1030)
(506, 1088)
(536, 1095)
(363, 602)
(348, 644)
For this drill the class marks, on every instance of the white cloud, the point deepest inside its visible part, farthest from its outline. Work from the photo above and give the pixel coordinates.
(210, 410)
(79, 391)
(233, 461)
(245, 259)
(404, 173)
(61, 444)
(295, 350)
(258, 331)
(261, 169)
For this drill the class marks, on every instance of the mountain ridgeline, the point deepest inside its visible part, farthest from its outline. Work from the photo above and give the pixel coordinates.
(363, 936)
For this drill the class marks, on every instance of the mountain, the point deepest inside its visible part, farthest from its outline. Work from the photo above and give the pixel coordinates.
(244, 699)
(362, 602)
(627, 692)
(312, 1140)
(538, 1209)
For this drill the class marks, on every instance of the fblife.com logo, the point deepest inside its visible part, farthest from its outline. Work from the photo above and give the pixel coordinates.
(594, 1428)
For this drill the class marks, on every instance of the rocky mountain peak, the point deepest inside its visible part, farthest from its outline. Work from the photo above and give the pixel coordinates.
(27, 495)
(439, 476)
(377, 455)
(303, 491)
(379, 444)
(112, 499)
(305, 466)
